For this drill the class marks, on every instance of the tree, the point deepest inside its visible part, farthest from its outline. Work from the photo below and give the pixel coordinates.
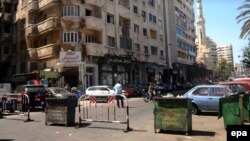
(223, 70)
(246, 54)
(244, 16)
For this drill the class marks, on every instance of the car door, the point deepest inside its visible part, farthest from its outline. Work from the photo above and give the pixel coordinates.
(200, 97)
(214, 97)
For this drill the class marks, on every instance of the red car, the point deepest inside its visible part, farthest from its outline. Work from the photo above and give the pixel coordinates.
(238, 86)
(130, 91)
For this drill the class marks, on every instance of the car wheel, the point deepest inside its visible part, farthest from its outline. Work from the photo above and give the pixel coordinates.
(195, 109)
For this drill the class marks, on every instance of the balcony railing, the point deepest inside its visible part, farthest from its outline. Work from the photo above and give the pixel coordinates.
(51, 23)
(31, 30)
(98, 3)
(94, 49)
(92, 22)
(44, 3)
(50, 50)
(33, 5)
(124, 11)
(32, 53)
(7, 17)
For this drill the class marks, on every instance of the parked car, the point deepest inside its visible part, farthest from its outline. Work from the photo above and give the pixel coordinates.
(129, 91)
(206, 97)
(36, 93)
(136, 87)
(237, 87)
(101, 92)
(58, 92)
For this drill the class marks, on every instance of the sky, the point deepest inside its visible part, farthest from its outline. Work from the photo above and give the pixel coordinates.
(221, 24)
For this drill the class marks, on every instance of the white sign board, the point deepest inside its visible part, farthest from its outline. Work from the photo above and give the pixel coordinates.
(70, 57)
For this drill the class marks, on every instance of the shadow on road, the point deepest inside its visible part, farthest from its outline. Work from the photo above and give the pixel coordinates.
(7, 139)
(208, 114)
(193, 133)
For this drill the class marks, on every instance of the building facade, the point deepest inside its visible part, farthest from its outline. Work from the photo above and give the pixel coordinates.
(90, 42)
(7, 13)
(180, 38)
(225, 52)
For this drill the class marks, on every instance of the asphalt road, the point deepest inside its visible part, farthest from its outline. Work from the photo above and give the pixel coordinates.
(205, 127)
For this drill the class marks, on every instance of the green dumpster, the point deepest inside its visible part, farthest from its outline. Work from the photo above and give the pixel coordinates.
(246, 108)
(231, 109)
(173, 114)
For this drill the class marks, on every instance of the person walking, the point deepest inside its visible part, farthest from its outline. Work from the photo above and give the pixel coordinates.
(151, 91)
(118, 92)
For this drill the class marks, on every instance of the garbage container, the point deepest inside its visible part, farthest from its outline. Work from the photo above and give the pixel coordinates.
(246, 108)
(173, 114)
(60, 111)
(231, 109)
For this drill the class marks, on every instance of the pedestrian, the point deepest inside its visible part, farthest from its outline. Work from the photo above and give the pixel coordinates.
(67, 87)
(118, 92)
(151, 91)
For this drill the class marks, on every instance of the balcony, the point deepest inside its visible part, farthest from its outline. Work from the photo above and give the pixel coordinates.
(32, 30)
(48, 25)
(93, 23)
(98, 3)
(72, 22)
(94, 49)
(7, 17)
(5, 36)
(7, 1)
(50, 50)
(32, 53)
(124, 11)
(44, 4)
(33, 6)
(153, 42)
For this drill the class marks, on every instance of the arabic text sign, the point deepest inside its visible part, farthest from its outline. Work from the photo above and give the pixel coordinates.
(70, 57)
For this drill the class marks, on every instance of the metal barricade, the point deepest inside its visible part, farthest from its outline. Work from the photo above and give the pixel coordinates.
(15, 103)
(102, 108)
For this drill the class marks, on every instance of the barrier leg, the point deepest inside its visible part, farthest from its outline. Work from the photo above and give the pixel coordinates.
(127, 116)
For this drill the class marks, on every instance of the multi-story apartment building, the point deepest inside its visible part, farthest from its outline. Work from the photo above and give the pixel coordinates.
(7, 11)
(213, 46)
(180, 37)
(90, 41)
(225, 52)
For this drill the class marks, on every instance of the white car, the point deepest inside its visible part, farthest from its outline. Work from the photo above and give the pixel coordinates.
(101, 90)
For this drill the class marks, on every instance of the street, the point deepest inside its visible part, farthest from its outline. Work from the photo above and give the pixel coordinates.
(205, 127)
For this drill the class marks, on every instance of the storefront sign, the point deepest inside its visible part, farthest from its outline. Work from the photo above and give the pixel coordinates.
(49, 74)
(70, 57)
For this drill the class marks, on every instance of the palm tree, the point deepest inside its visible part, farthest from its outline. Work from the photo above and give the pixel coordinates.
(244, 16)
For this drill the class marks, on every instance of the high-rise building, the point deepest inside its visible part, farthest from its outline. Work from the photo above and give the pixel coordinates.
(180, 38)
(213, 46)
(225, 52)
(92, 41)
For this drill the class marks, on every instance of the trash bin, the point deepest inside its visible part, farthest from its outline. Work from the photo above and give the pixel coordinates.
(231, 109)
(246, 108)
(173, 114)
(60, 111)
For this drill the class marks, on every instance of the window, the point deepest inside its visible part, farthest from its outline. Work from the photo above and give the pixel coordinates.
(144, 15)
(145, 32)
(145, 49)
(111, 41)
(70, 11)
(137, 47)
(151, 2)
(136, 28)
(154, 50)
(218, 92)
(70, 37)
(201, 92)
(110, 19)
(135, 9)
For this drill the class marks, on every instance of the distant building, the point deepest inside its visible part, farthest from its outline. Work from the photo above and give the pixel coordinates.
(225, 52)
(213, 46)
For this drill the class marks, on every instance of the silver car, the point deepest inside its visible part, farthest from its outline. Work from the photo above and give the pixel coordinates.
(206, 97)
